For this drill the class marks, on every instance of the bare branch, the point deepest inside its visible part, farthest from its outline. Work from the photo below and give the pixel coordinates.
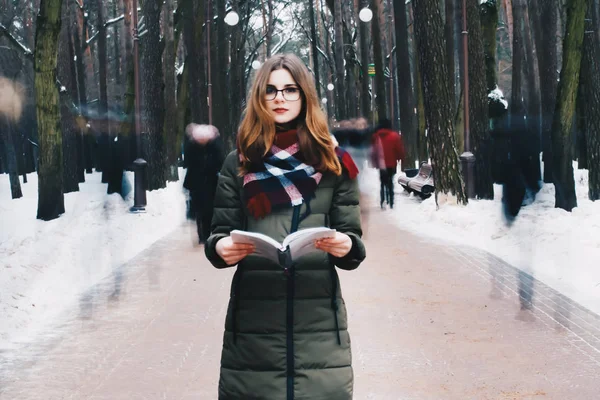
(15, 42)
(91, 39)
(114, 20)
(79, 4)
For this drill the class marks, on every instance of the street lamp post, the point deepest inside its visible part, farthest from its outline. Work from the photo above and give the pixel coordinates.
(139, 165)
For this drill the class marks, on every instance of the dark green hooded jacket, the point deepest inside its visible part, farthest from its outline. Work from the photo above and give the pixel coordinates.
(286, 334)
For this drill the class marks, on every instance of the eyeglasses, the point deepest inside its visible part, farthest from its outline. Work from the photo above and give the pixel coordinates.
(289, 93)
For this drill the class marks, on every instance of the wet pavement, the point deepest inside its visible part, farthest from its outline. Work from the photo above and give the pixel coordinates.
(427, 321)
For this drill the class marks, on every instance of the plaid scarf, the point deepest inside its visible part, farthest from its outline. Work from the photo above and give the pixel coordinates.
(281, 181)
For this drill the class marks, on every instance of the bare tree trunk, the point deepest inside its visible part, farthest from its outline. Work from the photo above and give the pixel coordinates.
(105, 134)
(7, 136)
(548, 66)
(489, 24)
(314, 45)
(438, 101)
(68, 92)
(51, 202)
(517, 107)
(380, 99)
(590, 70)
(11, 89)
(170, 124)
(533, 84)
(562, 148)
(339, 62)
(364, 61)
(480, 138)
(449, 32)
(508, 9)
(405, 88)
(153, 96)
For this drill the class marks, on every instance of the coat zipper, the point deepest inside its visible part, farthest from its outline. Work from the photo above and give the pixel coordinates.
(289, 272)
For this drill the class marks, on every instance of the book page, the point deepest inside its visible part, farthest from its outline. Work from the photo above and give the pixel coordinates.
(303, 241)
(265, 246)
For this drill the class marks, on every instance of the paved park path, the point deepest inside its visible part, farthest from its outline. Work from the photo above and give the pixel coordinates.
(427, 321)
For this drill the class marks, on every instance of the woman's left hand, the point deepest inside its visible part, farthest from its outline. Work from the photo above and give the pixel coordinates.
(337, 246)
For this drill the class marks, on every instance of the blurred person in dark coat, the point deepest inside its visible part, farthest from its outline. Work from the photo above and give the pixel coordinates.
(387, 149)
(203, 158)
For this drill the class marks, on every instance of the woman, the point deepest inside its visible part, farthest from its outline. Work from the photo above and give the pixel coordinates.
(285, 332)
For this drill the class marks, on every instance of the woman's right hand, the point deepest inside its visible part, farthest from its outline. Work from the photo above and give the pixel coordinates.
(233, 253)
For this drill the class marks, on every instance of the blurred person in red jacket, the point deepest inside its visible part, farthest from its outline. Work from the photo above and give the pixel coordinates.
(386, 150)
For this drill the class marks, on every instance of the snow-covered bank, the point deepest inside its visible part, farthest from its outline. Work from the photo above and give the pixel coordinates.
(45, 266)
(559, 248)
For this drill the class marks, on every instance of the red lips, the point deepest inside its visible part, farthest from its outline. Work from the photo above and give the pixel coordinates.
(280, 110)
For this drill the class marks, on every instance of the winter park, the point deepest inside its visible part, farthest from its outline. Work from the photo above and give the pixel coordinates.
(290, 199)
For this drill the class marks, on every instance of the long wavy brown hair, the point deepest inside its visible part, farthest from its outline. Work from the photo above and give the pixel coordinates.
(256, 133)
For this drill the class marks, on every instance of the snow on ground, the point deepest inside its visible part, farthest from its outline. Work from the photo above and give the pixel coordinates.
(559, 248)
(45, 266)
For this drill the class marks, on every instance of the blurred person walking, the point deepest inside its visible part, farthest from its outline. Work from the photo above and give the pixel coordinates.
(387, 149)
(203, 158)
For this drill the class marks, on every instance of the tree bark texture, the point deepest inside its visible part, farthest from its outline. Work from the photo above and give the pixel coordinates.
(517, 107)
(380, 98)
(104, 128)
(339, 62)
(153, 96)
(314, 45)
(548, 67)
(562, 124)
(480, 138)
(590, 70)
(68, 112)
(429, 29)
(11, 90)
(449, 28)
(406, 96)
(489, 25)
(51, 202)
(364, 61)
(170, 132)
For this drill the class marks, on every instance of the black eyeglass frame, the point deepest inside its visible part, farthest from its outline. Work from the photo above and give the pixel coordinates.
(276, 92)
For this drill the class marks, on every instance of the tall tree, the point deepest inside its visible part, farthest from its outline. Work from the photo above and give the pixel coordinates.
(429, 30)
(478, 105)
(339, 62)
(68, 112)
(450, 14)
(562, 124)
(153, 96)
(314, 45)
(545, 21)
(51, 203)
(489, 24)
(380, 98)
(407, 98)
(105, 134)
(170, 124)
(364, 61)
(11, 108)
(590, 74)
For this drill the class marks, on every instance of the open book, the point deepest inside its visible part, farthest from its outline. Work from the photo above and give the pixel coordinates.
(294, 246)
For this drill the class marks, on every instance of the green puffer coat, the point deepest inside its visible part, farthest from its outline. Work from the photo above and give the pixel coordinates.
(286, 332)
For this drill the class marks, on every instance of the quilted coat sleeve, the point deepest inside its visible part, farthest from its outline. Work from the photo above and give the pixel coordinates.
(228, 210)
(345, 217)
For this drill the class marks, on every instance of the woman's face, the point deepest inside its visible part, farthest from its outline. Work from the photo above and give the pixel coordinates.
(283, 96)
